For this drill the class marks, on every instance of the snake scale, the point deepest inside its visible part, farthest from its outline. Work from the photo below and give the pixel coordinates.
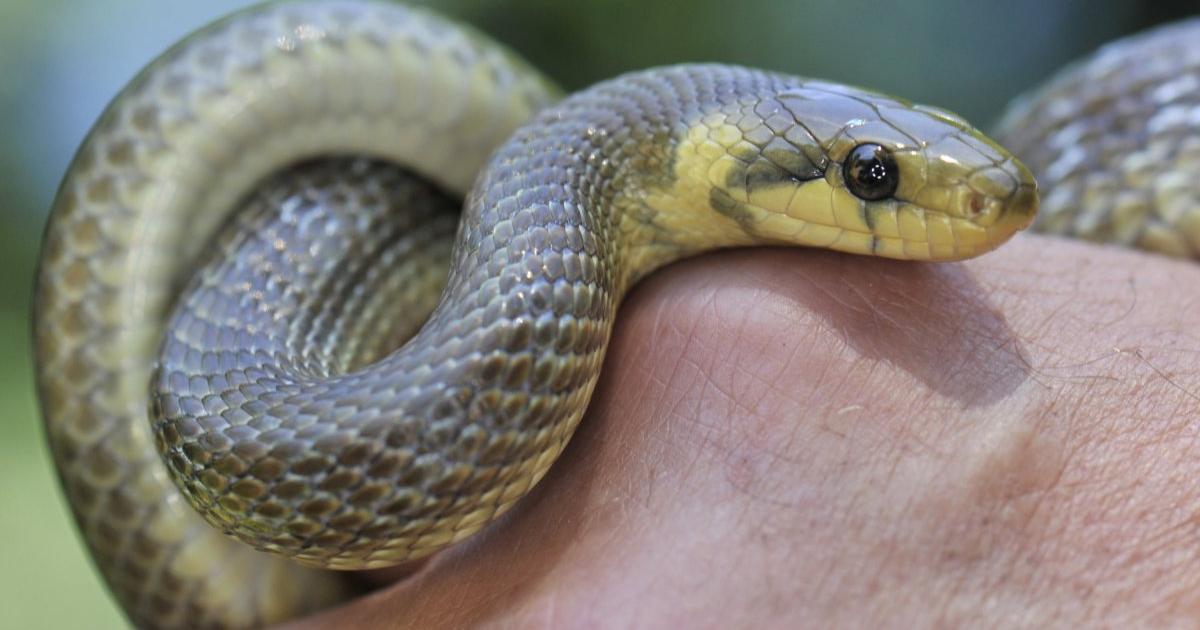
(244, 326)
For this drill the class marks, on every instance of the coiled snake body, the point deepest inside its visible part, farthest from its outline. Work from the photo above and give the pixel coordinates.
(313, 389)
(1113, 140)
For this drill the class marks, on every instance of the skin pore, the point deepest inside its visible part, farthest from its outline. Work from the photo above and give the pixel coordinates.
(793, 436)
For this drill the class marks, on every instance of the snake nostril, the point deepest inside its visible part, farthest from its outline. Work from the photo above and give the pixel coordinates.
(976, 204)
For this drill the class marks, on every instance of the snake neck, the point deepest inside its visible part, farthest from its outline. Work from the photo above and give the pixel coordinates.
(608, 175)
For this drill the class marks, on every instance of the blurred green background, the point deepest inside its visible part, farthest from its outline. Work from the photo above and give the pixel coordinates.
(61, 61)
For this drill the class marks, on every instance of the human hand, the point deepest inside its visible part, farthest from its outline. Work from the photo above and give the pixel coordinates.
(792, 437)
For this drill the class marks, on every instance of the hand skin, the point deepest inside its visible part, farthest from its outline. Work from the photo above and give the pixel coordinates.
(793, 438)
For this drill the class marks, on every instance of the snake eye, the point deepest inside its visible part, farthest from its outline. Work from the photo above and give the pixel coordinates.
(871, 172)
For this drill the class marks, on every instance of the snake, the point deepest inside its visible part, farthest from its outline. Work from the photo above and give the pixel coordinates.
(329, 283)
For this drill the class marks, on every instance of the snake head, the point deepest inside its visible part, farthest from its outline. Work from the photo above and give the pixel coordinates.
(827, 165)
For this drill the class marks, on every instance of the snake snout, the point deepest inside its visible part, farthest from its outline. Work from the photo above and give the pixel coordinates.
(1023, 206)
(1018, 208)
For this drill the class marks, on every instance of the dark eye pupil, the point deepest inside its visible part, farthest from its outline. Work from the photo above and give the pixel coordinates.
(871, 172)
